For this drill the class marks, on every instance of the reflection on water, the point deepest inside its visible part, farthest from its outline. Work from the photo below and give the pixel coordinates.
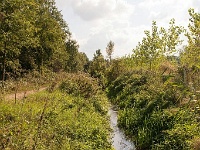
(119, 140)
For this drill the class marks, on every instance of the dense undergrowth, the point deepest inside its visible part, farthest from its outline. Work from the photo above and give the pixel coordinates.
(80, 84)
(29, 81)
(57, 119)
(155, 116)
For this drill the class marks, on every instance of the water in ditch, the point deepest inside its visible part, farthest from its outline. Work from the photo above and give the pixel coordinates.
(119, 141)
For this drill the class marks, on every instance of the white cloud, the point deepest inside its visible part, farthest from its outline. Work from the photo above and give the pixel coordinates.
(111, 23)
(164, 10)
(91, 9)
(95, 22)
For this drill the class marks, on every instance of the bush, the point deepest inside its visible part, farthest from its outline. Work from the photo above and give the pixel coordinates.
(80, 85)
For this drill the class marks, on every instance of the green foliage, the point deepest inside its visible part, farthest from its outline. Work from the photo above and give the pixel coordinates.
(148, 114)
(192, 50)
(82, 62)
(181, 136)
(80, 85)
(190, 55)
(29, 81)
(156, 45)
(115, 69)
(16, 31)
(124, 82)
(157, 93)
(77, 61)
(54, 121)
(97, 67)
(158, 99)
(33, 35)
(72, 49)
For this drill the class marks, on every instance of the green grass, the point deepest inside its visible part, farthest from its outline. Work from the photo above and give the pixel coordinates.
(152, 116)
(55, 121)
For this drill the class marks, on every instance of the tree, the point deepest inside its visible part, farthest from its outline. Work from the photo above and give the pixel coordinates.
(149, 50)
(72, 50)
(117, 68)
(16, 31)
(157, 45)
(33, 35)
(191, 54)
(171, 38)
(98, 65)
(52, 35)
(82, 62)
(110, 50)
(192, 51)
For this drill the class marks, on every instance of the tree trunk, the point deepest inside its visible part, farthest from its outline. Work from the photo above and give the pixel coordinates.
(150, 65)
(185, 76)
(41, 66)
(110, 57)
(4, 69)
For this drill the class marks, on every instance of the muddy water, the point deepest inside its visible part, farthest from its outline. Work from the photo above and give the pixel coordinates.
(119, 140)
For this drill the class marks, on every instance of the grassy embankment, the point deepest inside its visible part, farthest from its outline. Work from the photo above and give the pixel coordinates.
(73, 116)
(156, 114)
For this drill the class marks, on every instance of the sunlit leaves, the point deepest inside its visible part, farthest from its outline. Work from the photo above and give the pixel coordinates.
(34, 30)
(156, 44)
(191, 55)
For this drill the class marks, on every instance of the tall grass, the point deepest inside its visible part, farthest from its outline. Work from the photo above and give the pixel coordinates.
(153, 116)
(55, 120)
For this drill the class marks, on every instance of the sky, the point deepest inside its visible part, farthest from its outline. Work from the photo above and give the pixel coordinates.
(93, 23)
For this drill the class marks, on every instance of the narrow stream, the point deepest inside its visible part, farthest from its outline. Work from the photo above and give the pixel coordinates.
(119, 140)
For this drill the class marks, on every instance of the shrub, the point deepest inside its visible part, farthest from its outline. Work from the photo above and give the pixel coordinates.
(80, 85)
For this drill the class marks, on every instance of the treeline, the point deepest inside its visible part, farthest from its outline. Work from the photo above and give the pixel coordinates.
(34, 36)
(161, 52)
